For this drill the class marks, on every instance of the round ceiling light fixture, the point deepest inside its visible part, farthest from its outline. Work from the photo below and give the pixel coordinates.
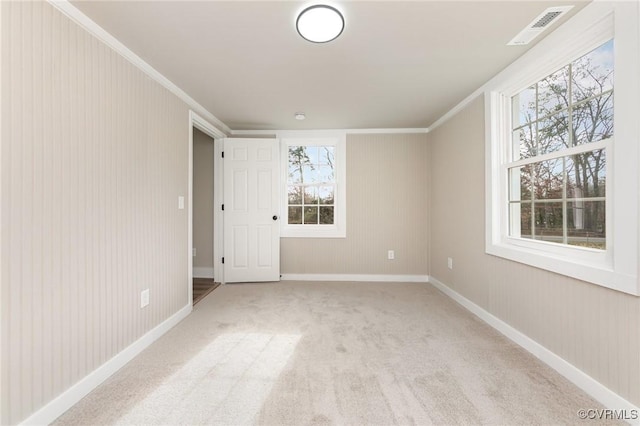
(300, 116)
(320, 23)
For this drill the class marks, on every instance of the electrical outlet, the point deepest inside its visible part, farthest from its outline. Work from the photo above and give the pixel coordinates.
(144, 298)
(450, 262)
(194, 252)
(391, 255)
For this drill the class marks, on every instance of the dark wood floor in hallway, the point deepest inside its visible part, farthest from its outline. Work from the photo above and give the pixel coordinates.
(202, 287)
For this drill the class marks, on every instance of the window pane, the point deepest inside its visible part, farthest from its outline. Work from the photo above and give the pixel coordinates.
(548, 222)
(520, 219)
(295, 174)
(326, 215)
(587, 174)
(523, 107)
(524, 142)
(553, 93)
(592, 74)
(553, 133)
(325, 194)
(520, 183)
(548, 183)
(325, 174)
(327, 155)
(312, 154)
(298, 158)
(593, 120)
(311, 215)
(295, 195)
(311, 195)
(309, 174)
(586, 224)
(295, 215)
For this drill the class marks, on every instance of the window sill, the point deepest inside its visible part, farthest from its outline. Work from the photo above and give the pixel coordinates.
(596, 272)
(312, 231)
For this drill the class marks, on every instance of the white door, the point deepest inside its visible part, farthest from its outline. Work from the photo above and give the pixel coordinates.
(251, 210)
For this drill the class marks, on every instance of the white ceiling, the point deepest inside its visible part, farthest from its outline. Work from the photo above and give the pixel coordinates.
(396, 65)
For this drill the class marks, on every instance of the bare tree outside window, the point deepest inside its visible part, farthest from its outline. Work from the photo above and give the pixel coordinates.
(311, 185)
(561, 198)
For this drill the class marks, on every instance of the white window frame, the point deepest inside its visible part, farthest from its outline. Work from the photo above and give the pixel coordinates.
(337, 139)
(617, 266)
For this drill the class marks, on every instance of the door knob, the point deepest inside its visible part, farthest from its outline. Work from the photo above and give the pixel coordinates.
(275, 217)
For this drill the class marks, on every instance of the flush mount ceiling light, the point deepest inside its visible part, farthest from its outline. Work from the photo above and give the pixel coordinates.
(300, 116)
(320, 23)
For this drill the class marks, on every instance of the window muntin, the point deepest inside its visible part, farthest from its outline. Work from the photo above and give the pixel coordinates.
(314, 183)
(311, 185)
(561, 128)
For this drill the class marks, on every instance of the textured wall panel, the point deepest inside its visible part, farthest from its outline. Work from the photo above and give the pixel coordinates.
(594, 328)
(94, 155)
(387, 209)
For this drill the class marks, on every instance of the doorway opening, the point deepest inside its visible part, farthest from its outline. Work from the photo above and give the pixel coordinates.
(203, 234)
(205, 221)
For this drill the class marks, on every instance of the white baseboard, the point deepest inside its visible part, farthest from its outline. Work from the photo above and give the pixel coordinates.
(356, 277)
(202, 272)
(597, 390)
(55, 408)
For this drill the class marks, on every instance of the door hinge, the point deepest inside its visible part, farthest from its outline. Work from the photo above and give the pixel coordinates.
(223, 207)
(222, 154)
(223, 260)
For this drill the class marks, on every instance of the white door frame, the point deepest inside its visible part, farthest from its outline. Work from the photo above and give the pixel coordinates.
(209, 129)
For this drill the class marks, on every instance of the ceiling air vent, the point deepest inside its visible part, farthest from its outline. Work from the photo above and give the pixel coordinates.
(538, 25)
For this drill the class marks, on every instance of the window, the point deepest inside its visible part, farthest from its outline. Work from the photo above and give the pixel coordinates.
(562, 160)
(562, 127)
(311, 185)
(314, 184)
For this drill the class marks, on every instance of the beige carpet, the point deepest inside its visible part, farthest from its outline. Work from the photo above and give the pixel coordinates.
(301, 353)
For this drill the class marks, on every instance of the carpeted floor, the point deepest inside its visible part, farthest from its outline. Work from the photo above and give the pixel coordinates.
(303, 353)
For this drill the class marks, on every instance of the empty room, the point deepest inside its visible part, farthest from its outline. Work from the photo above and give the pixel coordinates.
(319, 213)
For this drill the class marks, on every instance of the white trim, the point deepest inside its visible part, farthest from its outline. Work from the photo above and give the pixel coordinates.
(617, 267)
(273, 133)
(334, 138)
(356, 278)
(387, 131)
(101, 34)
(456, 109)
(203, 272)
(595, 389)
(218, 216)
(207, 128)
(75, 393)
(3, 296)
(265, 133)
(547, 44)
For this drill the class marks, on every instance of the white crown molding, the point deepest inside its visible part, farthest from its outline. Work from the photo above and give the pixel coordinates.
(547, 44)
(597, 390)
(101, 34)
(356, 277)
(55, 408)
(387, 131)
(273, 133)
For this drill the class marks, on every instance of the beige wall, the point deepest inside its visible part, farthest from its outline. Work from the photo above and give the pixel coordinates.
(202, 200)
(94, 156)
(387, 209)
(593, 328)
